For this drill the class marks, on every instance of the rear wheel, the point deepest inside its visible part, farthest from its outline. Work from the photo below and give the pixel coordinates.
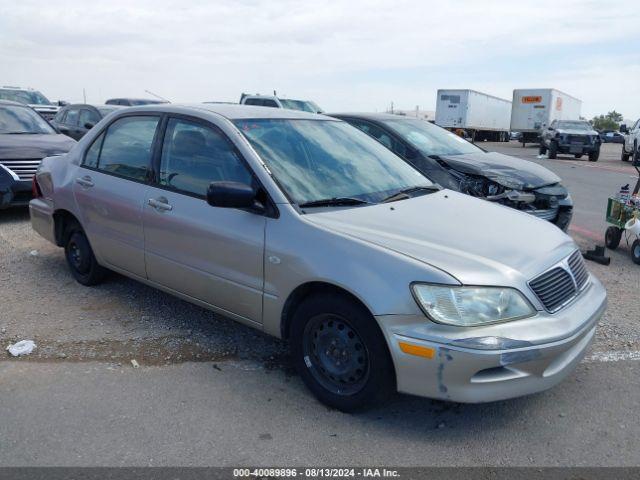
(612, 237)
(340, 352)
(553, 150)
(80, 257)
(635, 252)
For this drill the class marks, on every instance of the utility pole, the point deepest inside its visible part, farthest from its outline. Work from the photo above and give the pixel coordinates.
(84, 95)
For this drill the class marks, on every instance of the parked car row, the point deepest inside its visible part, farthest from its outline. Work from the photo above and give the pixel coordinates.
(363, 247)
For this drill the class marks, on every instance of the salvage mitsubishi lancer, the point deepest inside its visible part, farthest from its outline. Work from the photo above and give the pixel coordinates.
(308, 229)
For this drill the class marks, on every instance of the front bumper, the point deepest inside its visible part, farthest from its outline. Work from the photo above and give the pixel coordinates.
(524, 359)
(13, 191)
(579, 149)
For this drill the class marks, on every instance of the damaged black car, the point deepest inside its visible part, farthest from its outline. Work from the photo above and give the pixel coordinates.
(459, 165)
(25, 139)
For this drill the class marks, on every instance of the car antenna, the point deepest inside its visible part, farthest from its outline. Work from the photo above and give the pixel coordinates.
(157, 96)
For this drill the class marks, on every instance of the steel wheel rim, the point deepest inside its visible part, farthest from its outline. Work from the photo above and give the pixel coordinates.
(335, 354)
(76, 258)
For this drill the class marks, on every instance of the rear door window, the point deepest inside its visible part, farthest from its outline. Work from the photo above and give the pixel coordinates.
(88, 116)
(126, 149)
(72, 117)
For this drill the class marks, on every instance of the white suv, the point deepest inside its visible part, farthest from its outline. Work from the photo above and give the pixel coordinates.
(33, 98)
(276, 102)
(631, 141)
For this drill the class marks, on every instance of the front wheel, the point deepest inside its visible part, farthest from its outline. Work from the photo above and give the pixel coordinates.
(80, 258)
(612, 237)
(635, 252)
(624, 156)
(594, 156)
(340, 352)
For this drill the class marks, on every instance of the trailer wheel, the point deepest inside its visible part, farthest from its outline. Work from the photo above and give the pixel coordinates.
(612, 237)
(553, 150)
(635, 252)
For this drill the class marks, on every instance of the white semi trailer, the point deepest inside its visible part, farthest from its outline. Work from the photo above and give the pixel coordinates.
(535, 108)
(474, 114)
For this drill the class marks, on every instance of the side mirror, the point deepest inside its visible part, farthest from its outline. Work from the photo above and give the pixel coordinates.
(89, 125)
(232, 195)
(624, 129)
(62, 103)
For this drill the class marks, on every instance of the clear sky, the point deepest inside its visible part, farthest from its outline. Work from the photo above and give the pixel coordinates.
(346, 55)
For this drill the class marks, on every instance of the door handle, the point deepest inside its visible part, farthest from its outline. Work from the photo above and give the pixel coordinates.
(160, 203)
(85, 181)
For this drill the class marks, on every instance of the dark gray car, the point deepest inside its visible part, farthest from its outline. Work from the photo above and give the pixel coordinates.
(76, 120)
(457, 164)
(574, 137)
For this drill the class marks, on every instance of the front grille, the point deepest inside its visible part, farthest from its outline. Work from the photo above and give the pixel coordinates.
(558, 286)
(578, 269)
(25, 169)
(578, 139)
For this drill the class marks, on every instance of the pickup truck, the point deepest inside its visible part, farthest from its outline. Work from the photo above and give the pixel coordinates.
(631, 141)
(574, 137)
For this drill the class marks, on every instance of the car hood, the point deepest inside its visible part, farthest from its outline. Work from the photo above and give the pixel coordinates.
(475, 241)
(15, 147)
(571, 131)
(509, 171)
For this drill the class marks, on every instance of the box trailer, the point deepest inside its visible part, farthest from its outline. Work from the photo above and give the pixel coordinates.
(535, 108)
(474, 114)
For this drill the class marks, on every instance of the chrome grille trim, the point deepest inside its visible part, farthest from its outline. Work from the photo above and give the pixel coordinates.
(562, 283)
(25, 169)
(548, 214)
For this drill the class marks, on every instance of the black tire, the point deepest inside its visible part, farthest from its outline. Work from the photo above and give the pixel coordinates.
(635, 154)
(635, 252)
(624, 156)
(553, 150)
(612, 237)
(80, 258)
(578, 155)
(331, 328)
(594, 156)
(543, 149)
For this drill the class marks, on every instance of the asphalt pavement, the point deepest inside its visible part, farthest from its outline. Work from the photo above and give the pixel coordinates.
(211, 392)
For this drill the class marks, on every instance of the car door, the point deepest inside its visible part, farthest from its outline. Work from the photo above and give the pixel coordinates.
(86, 120)
(110, 190)
(209, 253)
(69, 124)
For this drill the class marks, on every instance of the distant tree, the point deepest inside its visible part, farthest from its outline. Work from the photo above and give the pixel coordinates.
(610, 121)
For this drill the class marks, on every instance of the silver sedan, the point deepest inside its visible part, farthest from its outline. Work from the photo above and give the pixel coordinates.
(306, 228)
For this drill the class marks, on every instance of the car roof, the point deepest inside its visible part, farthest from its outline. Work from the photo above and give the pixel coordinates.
(95, 105)
(372, 116)
(231, 112)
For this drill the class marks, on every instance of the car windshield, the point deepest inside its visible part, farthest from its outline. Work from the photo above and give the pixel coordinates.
(28, 97)
(22, 120)
(322, 159)
(430, 139)
(296, 105)
(574, 125)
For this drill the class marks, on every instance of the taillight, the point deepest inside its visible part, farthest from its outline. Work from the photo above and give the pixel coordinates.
(35, 188)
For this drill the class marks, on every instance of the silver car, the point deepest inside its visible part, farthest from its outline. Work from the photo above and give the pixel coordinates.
(304, 227)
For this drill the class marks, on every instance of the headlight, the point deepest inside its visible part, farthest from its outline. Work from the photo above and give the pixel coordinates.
(471, 306)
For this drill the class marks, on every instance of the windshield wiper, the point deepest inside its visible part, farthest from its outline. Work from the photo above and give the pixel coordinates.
(333, 202)
(405, 193)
